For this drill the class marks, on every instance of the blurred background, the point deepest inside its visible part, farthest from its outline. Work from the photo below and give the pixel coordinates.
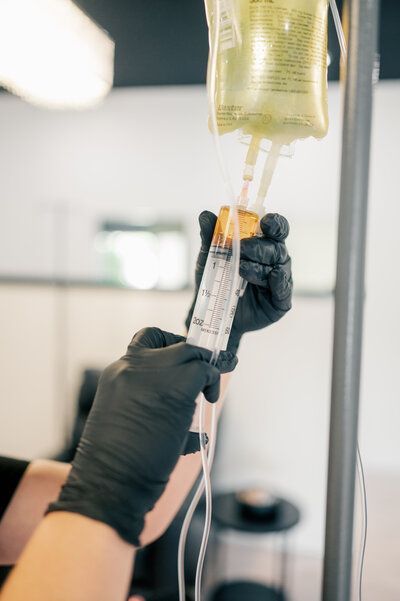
(98, 238)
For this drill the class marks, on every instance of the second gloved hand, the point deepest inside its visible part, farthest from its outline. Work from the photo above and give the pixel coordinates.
(136, 430)
(266, 266)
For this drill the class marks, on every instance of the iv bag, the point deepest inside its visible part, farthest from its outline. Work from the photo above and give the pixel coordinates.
(271, 67)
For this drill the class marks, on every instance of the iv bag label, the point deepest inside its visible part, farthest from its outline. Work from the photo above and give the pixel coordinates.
(290, 44)
(227, 36)
(273, 83)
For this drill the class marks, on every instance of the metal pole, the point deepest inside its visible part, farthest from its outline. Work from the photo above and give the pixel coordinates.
(363, 20)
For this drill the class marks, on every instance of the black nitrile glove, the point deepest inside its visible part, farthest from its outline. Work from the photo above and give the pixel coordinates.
(136, 430)
(266, 265)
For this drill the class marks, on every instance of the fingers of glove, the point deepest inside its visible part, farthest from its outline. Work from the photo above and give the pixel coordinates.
(207, 221)
(154, 338)
(182, 353)
(275, 227)
(185, 353)
(166, 349)
(255, 273)
(281, 285)
(212, 390)
(227, 361)
(264, 251)
(207, 379)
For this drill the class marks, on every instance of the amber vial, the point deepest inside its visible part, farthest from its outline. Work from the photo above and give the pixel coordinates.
(224, 228)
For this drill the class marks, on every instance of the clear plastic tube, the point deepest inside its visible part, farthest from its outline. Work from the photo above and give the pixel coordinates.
(339, 28)
(207, 459)
(214, 26)
(205, 464)
(208, 492)
(266, 178)
(364, 524)
(192, 508)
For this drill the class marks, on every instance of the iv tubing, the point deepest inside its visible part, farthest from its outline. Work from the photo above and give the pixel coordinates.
(213, 37)
(339, 28)
(192, 507)
(364, 524)
(264, 185)
(207, 461)
(266, 178)
(233, 214)
(208, 493)
(248, 171)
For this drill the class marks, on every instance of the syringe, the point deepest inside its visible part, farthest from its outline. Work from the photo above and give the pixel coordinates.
(212, 310)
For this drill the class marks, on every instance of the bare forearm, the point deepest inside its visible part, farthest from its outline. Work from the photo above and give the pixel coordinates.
(39, 486)
(180, 483)
(71, 558)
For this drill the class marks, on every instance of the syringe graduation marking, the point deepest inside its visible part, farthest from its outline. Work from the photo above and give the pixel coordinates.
(213, 310)
(224, 265)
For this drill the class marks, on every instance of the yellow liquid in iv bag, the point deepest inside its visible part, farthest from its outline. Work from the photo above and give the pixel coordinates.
(271, 79)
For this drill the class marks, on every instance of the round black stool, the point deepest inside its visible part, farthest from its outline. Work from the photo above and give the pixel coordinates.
(246, 591)
(229, 516)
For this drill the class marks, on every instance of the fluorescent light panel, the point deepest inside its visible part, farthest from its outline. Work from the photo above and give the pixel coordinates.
(52, 54)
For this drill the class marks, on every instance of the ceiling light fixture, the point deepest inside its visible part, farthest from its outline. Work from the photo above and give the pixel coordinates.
(52, 54)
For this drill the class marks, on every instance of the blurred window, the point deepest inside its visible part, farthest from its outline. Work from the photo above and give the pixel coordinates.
(143, 257)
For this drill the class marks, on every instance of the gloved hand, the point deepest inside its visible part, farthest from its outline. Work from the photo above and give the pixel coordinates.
(266, 265)
(136, 430)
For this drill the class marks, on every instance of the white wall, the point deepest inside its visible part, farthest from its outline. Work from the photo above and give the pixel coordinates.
(94, 327)
(151, 147)
(143, 148)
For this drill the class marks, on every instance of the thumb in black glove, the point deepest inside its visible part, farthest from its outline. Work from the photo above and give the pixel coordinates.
(136, 430)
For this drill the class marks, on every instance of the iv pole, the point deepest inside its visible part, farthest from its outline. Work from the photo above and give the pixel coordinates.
(349, 298)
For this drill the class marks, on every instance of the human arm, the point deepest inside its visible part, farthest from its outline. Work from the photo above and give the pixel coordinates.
(39, 485)
(265, 265)
(133, 437)
(71, 558)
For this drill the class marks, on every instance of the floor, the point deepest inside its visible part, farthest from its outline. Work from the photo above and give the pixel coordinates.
(381, 581)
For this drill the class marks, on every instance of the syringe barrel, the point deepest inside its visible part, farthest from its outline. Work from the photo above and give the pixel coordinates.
(213, 309)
